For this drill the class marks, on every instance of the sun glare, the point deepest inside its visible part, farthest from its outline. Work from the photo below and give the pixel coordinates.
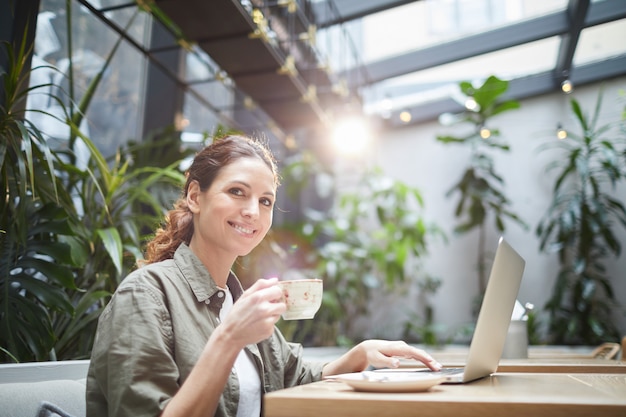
(351, 136)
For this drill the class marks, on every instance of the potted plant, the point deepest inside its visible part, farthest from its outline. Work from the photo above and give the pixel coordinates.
(580, 227)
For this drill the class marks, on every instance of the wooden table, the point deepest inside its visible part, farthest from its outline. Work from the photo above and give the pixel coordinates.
(502, 394)
(560, 359)
(584, 365)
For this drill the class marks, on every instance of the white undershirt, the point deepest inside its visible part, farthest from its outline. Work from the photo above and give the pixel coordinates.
(246, 371)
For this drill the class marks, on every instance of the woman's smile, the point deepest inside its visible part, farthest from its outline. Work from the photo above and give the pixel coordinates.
(242, 229)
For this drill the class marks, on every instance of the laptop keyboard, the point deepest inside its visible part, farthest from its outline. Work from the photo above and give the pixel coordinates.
(449, 371)
(443, 371)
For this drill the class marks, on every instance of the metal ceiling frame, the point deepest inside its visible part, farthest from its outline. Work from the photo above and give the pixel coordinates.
(281, 97)
(556, 24)
(520, 88)
(568, 24)
(577, 12)
(164, 70)
(300, 95)
(252, 44)
(347, 10)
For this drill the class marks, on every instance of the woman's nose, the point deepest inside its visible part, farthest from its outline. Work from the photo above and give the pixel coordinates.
(251, 209)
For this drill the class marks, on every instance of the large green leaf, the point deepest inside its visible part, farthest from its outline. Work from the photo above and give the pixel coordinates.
(54, 298)
(113, 245)
(487, 94)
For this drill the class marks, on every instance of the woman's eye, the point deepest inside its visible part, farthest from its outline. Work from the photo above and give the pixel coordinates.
(266, 202)
(236, 191)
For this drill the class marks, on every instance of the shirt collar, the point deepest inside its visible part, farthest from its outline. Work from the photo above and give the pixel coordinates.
(200, 281)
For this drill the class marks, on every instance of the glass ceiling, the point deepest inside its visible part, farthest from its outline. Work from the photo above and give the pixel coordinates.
(423, 24)
(442, 81)
(400, 58)
(601, 42)
(430, 23)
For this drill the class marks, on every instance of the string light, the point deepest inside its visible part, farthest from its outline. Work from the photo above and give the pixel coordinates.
(566, 86)
(470, 103)
(405, 116)
(560, 132)
(485, 133)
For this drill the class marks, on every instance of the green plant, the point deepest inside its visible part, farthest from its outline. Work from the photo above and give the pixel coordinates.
(421, 328)
(35, 267)
(68, 235)
(372, 240)
(116, 206)
(481, 188)
(580, 227)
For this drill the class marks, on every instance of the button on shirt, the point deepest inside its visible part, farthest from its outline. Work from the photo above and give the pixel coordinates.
(153, 331)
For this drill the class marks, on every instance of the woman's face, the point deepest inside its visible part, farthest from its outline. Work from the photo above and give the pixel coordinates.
(235, 213)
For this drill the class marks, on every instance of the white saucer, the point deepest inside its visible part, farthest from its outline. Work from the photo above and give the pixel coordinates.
(389, 382)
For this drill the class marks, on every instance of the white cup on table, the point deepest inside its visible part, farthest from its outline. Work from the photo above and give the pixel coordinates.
(516, 343)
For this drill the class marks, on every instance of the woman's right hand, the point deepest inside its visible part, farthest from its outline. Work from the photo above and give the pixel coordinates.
(255, 313)
(250, 320)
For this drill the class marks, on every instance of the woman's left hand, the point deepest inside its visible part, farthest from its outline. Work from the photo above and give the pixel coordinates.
(379, 354)
(386, 354)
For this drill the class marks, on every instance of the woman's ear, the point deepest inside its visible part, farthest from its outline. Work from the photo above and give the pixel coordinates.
(193, 195)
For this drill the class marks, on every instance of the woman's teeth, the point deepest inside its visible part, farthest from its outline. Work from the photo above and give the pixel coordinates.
(243, 229)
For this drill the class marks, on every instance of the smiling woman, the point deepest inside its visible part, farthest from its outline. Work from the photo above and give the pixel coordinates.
(180, 337)
(233, 215)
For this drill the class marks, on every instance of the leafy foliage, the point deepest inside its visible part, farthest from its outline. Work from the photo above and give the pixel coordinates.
(580, 227)
(481, 188)
(35, 267)
(116, 205)
(372, 240)
(68, 234)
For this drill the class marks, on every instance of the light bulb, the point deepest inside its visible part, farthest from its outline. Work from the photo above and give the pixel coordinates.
(567, 86)
(560, 132)
(470, 103)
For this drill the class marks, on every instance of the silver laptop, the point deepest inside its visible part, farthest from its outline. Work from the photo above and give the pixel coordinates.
(494, 316)
(493, 319)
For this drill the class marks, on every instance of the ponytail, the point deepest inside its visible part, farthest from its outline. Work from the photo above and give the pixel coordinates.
(178, 228)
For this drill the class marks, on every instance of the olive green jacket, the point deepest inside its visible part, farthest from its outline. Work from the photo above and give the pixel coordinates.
(151, 335)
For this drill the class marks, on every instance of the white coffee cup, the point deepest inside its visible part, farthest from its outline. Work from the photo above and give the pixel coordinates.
(516, 342)
(303, 298)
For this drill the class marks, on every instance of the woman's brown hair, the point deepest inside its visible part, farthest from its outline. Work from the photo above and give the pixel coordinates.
(206, 165)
